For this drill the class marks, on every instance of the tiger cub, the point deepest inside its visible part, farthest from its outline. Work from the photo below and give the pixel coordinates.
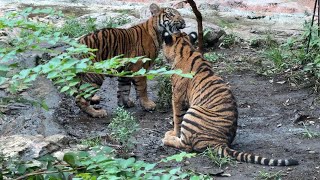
(144, 39)
(211, 117)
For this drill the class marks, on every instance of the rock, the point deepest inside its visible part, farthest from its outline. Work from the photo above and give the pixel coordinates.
(29, 147)
(212, 32)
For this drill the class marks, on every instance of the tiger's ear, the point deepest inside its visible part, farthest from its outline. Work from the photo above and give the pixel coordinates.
(193, 37)
(167, 38)
(154, 9)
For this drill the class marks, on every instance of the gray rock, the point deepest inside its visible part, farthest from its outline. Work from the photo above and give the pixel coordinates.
(212, 32)
(29, 147)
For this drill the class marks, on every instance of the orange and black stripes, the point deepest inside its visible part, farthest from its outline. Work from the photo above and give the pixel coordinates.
(211, 119)
(140, 40)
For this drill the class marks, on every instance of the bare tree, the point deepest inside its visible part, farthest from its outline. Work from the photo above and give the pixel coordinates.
(199, 21)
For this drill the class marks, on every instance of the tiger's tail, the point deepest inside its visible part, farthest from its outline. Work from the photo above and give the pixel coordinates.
(251, 158)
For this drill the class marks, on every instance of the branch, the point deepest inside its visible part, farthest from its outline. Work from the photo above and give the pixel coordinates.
(199, 21)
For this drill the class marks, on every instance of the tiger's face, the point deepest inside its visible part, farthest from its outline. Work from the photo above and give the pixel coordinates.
(170, 19)
(178, 44)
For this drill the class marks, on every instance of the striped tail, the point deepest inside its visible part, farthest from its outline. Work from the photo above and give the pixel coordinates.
(251, 158)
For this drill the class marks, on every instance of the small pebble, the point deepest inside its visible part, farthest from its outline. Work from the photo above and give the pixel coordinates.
(312, 152)
(279, 125)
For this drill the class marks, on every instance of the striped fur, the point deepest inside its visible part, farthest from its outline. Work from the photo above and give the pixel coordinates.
(211, 117)
(141, 40)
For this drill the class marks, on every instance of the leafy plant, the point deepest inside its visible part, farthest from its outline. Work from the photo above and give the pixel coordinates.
(100, 163)
(269, 176)
(164, 99)
(217, 159)
(123, 126)
(113, 22)
(96, 141)
(309, 134)
(228, 40)
(212, 56)
(277, 56)
(74, 27)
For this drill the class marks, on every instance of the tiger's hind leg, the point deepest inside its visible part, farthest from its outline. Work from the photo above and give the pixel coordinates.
(85, 106)
(141, 90)
(124, 86)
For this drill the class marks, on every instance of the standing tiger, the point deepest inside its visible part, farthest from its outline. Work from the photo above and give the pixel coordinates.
(211, 117)
(141, 40)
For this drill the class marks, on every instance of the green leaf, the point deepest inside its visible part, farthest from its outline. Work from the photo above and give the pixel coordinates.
(53, 74)
(21, 169)
(70, 158)
(85, 86)
(179, 157)
(2, 80)
(174, 171)
(65, 88)
(4, 67)
(125, 163)
(44, 105)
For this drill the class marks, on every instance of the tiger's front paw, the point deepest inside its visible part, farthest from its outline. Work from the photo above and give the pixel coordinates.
(148, 105)
(170, 134)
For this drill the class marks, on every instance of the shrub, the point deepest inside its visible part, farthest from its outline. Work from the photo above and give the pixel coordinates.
(123, 126)
(164, 99)
(99, 163)
(74, 27)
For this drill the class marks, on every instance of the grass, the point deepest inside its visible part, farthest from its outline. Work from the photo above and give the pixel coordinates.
(111, 22)
(164, 100)
(269, 176)
(217, 159)
(309, 134)
(122, 127)
(75, 28)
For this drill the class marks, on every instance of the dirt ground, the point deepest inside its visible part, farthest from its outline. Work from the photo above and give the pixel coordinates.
(268, 108)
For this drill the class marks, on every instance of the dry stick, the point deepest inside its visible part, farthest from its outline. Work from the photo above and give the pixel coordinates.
(199, 21)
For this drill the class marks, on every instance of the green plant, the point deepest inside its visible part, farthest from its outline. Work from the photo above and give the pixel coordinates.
(217, 159)
(96, 141)
(309, 134)
(99, 163)
(269, 176)
(164, 99)
(211, 56)
(74, 27)
(277, 56)
(112, 22)
(123, 126)
(228, 41)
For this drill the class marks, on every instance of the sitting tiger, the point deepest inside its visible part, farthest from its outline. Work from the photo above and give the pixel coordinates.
(211, 118)
(140, 40)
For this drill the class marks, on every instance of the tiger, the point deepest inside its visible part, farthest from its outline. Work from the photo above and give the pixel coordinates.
(144, 39)
(210, 120)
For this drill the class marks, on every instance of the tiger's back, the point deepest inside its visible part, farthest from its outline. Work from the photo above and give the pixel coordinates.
(211, 118)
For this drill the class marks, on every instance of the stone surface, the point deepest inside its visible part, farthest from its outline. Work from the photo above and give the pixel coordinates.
(29, 147)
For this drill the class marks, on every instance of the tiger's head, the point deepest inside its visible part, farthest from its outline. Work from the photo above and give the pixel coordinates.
(178, 44)
(170, 19)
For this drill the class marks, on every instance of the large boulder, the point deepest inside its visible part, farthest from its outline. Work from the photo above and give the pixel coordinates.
(29, 147)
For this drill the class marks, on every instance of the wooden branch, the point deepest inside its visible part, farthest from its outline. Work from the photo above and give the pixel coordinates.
(199, 21)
